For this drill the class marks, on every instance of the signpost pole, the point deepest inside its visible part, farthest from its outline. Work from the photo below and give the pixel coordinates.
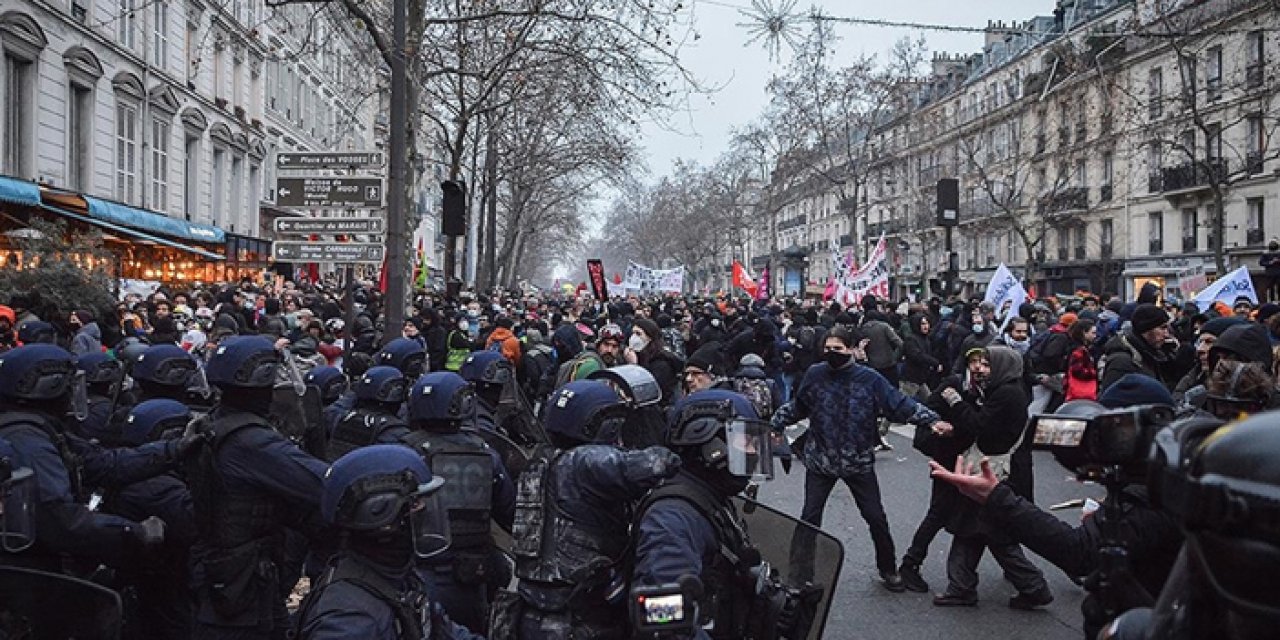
(395, 262)
(349, 329)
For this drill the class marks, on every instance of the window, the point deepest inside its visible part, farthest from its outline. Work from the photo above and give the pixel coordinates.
(1081, 174)
(1187, 73)
(1255, 229)
(1257, 143)
(1213, 143)
(1079, 234)
(235, 207)
(79, 136)
(19, 91)
(160, 165)
(190, 175)
(1188, 143)
(237, 81)
(1213, 73)
(1106, 236)
(1154, 153)
(160, 41)
(127, 23)
(1190, 229)
(126, 152)
(1255, 59)
(1155, 233)
(219, 69)
(1064, 243)
(219, 185)
(1155, 93)
(1108, 174)
(192, 45)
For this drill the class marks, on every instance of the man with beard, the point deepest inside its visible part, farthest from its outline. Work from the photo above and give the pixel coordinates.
(1146, 347)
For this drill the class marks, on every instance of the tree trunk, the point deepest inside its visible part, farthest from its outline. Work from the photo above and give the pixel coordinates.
(490, 242)
(1216, 227)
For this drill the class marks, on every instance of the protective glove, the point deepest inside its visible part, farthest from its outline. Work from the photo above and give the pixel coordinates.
(151, 532)
(782, 450)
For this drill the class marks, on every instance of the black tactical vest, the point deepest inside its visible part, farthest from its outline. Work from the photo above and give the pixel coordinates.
(228, 520)
(45, 425)
(359, 428)
(412, 610)
(464, 461)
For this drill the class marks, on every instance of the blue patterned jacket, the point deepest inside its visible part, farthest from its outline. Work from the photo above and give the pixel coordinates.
(842, 406)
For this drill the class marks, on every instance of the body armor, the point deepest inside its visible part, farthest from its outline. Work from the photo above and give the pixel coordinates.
(464, 461)
(44, 424)
(414, 617)
(561, 562)
(359, 428)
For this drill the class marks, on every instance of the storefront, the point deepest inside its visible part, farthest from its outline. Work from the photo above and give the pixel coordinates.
(1167, 274)
(142, 245)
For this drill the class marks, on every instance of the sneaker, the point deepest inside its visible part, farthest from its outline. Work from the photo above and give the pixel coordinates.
(884, 446)
(892, 581)
(911, 578)
(954, 600)
(1031, 601)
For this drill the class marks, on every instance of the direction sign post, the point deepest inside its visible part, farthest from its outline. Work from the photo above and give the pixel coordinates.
(323, 192)
(330, 226)
(329, 160)
(341, 252)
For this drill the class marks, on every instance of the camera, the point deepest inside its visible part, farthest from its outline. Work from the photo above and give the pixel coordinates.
(1100, 444)
(657, 611)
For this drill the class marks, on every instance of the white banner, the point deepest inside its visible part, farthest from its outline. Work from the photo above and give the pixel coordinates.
(1227, 288)
(142, 288)
(1005, 288)
(871, 279)
(646, 280)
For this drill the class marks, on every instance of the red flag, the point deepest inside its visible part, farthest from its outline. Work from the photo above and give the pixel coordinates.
(741, 280)
(382, 276)
(617, 278)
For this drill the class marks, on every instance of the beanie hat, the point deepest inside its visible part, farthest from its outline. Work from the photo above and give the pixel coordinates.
(1068, 319)
(1135, 389)
(1216, 326)
(1147, 317)
(649, 327)
(84, 316)
(707, 358)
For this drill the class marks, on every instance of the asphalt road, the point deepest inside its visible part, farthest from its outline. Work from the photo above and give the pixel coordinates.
(864, 609)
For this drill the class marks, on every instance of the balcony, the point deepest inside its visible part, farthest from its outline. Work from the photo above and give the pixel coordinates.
(1155, 183)
(1070, 199)
(1254, 75)
(1193, 175)
(797, 221)
(1105, 193)
(1254, 162)
(1254, 237)
(1155, 246)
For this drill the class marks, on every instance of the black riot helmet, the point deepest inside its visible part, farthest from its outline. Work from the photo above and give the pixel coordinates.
(720, 432)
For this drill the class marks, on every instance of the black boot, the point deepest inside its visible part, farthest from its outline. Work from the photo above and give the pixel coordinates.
(911, 578)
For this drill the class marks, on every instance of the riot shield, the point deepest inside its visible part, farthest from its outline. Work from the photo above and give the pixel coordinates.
(805, 559)
(634, 382)
(515, 416)
(287, 414)
(514, 457)
(315, 438)
(49, 605)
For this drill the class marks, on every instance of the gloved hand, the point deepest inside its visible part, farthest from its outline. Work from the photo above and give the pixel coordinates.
(666, 463)
(151, 532)
(190, 440)
(781, 450)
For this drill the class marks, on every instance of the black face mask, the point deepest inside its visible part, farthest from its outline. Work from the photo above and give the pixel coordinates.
(836, 359)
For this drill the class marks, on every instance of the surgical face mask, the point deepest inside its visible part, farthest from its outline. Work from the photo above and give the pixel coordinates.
(638, 343)
(978, 327)
(464, 325)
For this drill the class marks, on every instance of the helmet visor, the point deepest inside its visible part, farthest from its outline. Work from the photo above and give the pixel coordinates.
(750, 449)
(79, 407)
(429, 522)
(17, 511)
(199, 384)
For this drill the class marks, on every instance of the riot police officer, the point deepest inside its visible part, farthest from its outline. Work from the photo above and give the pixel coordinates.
(380, 394)
(248, 483)
(488, 372)
(689, 528)
(163, 608)
(407, 355)
(477, 490)
(37, 385)
(332, 385)
(573, 511)
(387, 505)
(103, 376)
(164, 371)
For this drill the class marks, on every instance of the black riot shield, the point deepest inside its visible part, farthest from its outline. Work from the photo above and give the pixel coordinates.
(315, 438)
(37, 604)
(514, 457)
(804, 558)
(515, 416)
(646, 424)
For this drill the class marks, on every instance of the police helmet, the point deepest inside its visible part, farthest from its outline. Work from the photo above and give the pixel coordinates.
(372, 489)
(37, 332)
(487, 367)
(330, 382)
(382, 384)
(37, 372)
(100, 368)
(165, 364)
(128, 351)
(151, 418)
(244, 362)
(17, 501)
(1233, 519)
(441, 396)
(721, 431)
(585, 411)
(404, 354)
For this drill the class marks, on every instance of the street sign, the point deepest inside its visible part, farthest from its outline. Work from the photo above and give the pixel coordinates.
(321, 192)
(344, 252)
(330, 226)
(329, 160)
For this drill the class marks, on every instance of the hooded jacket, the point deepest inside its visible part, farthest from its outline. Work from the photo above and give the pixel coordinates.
(1245, 342)
(1128, 353)
(510, 344)
(87, 340)
(919, 365)
(884, 342)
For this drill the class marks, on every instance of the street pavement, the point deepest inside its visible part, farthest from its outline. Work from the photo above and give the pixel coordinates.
(863, 609)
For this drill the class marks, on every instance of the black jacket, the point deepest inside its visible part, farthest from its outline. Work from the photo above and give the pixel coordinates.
(919, 365)
(1128, 353)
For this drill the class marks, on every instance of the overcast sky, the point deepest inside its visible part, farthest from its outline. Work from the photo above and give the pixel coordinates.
(721, 58)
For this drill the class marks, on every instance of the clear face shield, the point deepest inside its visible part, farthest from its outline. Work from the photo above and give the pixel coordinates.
(429, 520)
(79, 406)
(750, 449)
(199, 384)
(17, 509)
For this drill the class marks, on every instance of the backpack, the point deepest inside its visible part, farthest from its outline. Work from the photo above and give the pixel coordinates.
(495, 346)
(1049, 352)
(758, 392)
(577, 368)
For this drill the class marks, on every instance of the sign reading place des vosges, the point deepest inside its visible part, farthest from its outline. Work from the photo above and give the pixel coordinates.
(329, 160)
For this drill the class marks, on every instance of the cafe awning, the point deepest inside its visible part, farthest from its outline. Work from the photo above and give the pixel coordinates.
(151, 222)
(131, 233)
(20, 192)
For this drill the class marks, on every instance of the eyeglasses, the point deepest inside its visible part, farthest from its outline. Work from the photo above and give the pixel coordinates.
(690, 373)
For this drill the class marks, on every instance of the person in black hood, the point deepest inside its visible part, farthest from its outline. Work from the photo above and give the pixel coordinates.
(1246, 342)
(920, 368)
(1147, 347)
(1204, 342)
(435, 335)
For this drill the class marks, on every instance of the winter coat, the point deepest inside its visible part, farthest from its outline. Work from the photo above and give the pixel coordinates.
(883, 345)
(1082, 375)
(1129, 353)
(87, 340)
(919, 365)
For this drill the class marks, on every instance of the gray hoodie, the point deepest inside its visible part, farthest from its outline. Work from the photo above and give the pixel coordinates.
(87, 340)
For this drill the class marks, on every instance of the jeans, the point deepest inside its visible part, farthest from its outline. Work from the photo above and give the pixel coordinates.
(866, 493)
(966, 552)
